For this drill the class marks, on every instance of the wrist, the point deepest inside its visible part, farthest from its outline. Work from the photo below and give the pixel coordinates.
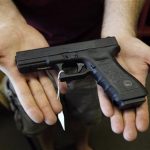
(120, 34)
(114, 30)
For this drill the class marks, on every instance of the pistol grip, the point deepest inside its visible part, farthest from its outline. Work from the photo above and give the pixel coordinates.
(122, 88)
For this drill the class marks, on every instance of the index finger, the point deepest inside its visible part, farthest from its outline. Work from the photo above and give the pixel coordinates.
(142, 117)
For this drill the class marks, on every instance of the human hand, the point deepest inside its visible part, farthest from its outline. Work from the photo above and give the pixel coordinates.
(35, 91)
(135, 58)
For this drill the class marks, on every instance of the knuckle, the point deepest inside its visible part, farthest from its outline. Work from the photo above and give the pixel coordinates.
(38, 92)
(45, 107)
(47, 83)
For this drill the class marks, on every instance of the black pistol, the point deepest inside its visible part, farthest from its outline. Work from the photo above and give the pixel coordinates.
(98, 58)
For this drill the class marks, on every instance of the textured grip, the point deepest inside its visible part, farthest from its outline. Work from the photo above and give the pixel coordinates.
(122, 88)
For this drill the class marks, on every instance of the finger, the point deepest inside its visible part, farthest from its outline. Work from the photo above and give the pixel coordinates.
(62, 85)
(142, 119)
(130, 131)
(105, 104)
(26, 99)
(42, 101)
(50, 92)
(117, 123)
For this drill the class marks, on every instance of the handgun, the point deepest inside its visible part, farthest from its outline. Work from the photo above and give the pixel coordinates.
(98, 57)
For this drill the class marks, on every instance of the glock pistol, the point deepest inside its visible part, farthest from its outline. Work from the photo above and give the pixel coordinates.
(98, 59)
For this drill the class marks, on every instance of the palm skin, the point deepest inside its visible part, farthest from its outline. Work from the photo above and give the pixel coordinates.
(134, 57)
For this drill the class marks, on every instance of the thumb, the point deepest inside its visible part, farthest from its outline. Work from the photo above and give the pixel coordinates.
(147, 53)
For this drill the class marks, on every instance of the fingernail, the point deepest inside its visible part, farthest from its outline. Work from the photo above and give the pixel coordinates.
(51, 121)
(130, 136)
(35, 115)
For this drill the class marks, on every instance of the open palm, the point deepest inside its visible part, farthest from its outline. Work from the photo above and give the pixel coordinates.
(35, 91)
(135, 58)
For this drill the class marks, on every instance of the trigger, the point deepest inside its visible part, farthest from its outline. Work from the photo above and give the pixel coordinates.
(80, 67)
(73, 71)
(75, 76)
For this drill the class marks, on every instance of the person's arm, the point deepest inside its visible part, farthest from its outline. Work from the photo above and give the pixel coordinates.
(9, 13)
(120, 20)
(35, 91)
(120, 17)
